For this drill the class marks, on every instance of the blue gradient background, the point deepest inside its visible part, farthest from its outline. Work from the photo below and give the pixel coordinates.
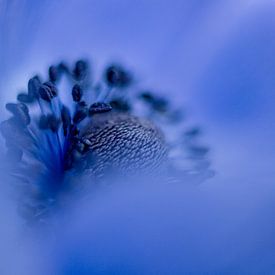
(217, 59)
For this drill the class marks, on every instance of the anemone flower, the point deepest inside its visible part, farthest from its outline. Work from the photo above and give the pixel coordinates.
(109, 127)
(114, 115)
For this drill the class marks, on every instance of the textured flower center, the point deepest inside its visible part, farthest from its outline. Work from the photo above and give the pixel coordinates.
(121, 143)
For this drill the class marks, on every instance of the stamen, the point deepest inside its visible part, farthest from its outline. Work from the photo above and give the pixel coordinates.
(53, 73)
(120, 105)
(157, 103)
(99, 107)
(116, 76)
(80, 70)
(63, 68)
(77, 93)
(66, 119)
(46, 92)
(33, 87)
(194, 132)
(147, 96)
(24, 98)
(49, 122)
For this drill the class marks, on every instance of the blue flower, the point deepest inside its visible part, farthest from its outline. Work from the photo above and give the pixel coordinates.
(109, 127)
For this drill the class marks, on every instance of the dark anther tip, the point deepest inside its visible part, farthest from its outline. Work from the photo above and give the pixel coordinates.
(52, 87)
(120, 105)
(194, 132)
(20, 112)
(80, 69)
(48, 91)
(99, 107)
(49, 122)
(33, 87)
(24, 98)
(63, 67)
(77, 93)
(53, 73)
(45, 93)
(147, 96)
(159, 104)
(116, 76)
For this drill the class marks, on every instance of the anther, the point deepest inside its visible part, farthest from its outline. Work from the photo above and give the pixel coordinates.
(24, 98)
(194, 132)
(63, 68)
(77, 93)
(99, 107)
(48, 91)
(159, 104)
(116, 76)
(120, 105)
(147, 96)
(80, 69)
(49, 122)
(53, 73)
(33, 87)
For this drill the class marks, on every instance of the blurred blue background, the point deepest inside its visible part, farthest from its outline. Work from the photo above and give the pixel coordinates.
(216, 58)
